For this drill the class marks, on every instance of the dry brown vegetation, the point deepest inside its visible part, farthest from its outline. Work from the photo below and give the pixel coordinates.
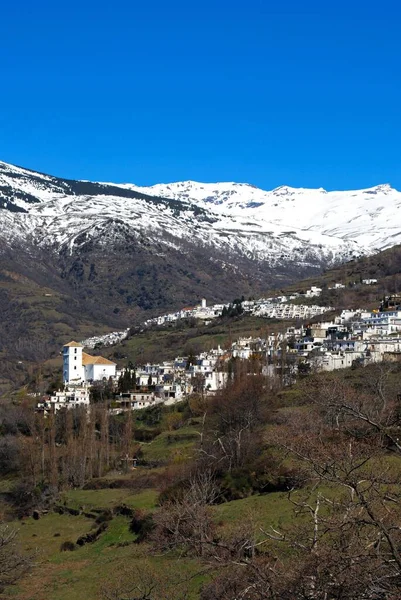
(329, 444)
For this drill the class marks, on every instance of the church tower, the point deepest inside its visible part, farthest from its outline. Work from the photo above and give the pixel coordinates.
(72, 363)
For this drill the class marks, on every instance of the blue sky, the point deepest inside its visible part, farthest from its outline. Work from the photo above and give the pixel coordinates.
(302, 93)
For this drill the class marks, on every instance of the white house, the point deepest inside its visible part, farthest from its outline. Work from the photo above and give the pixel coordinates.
(331, 361)
(71, 397)
(314, 291)
(97, 368)
(337, 286)
(215, 380)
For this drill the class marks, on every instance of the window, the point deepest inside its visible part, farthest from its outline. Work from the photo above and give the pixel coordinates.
(75, 368)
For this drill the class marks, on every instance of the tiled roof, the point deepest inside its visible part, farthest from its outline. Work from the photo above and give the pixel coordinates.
(87, 359)
(74, 344)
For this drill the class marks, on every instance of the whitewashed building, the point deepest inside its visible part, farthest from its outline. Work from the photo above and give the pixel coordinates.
(70, 397)
(78, 366)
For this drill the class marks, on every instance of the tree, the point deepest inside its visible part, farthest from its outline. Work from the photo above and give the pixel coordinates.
(12, 563)
(345, 543)
(342, 443)
(126, 381)
(145, 582)
(102, 390)
(191, 360)
(231, 437)
(186, 522)
(198, 383)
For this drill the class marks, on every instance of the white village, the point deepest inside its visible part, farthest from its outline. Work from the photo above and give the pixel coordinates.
(352, 338)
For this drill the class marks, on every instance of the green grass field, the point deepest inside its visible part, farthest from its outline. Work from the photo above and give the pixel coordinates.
(109, 498)
(171, 446)
(82, 573)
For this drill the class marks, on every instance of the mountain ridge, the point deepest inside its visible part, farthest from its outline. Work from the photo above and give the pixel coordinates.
(79, 257)
(343, 216)
(50, 203)
(308, 209)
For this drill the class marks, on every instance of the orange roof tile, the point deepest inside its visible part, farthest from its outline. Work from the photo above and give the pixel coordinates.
(74, 344)
(87, 359)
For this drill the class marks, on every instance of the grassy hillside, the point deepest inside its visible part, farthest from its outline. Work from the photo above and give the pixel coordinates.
(384, 266)
(83, 573)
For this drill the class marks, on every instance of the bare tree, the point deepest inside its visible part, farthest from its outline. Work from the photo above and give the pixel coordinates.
(145, 582)
(230, 431)
(350, 543)
(186, 523)
(12, 563)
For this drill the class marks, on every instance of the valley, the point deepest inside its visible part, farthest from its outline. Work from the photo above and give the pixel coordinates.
(277, 435)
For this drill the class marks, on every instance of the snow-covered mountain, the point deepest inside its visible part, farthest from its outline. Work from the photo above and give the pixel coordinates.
(285, 227)
(370, 217)
(300, 226)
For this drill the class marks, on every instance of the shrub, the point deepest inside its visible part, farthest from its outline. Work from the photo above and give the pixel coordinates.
(27, 498)
(104, 517)
(67, 546)
(174, 492)
(146, 435)
(124, 510)
(141, 525)
(89, 538)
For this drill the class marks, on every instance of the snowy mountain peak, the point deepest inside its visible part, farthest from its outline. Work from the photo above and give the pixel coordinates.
(384, 188)
(283, 226)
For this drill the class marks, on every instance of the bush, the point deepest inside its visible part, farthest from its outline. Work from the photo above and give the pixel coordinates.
(235, 486)
(9, 455)
(26, 497)
(141, 525)
(104, 517)
(172, 421)
(174, 492)
(241, 483)
(89, 538)
(67, 546)
(124, 511)
(146, 435)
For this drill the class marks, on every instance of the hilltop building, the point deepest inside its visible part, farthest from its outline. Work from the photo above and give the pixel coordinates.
(79, 367)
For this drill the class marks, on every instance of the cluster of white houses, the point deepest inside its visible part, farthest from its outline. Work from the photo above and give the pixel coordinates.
(107, 339)
(290, 311)
(275, 307)
(166, 382)
(354, 337)
(279, 307)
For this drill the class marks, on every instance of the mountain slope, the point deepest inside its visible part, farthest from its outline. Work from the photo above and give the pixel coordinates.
(89, 256)
(61, 213)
